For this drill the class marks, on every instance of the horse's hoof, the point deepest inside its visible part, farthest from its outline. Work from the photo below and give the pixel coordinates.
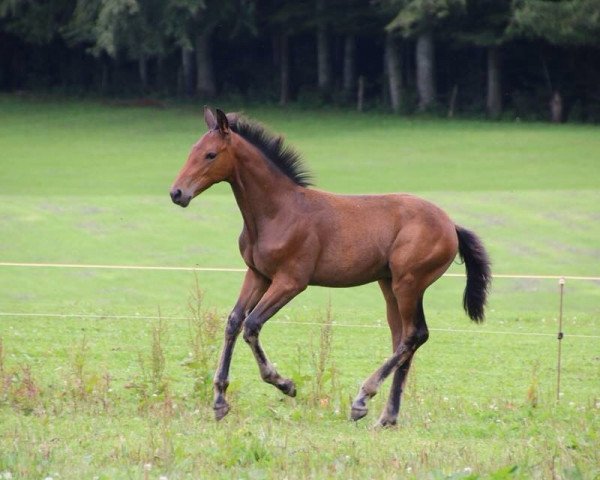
(358, 412)
(386, 423)
(289, 388)
(220, 411)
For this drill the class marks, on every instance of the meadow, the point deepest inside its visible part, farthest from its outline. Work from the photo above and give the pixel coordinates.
(106, 373)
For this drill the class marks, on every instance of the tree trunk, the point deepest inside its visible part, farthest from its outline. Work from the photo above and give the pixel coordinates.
(556, 107)
(143, 71)
(494, 86)
(392, 67)
(349, 65)
(187, 68)
(408, 76)
(160, 73)
(323, 57)
(275, 41)
(284, 69)
(452, 104)
(360, 94)
(205, 79)
(105, 77)
(425, 60)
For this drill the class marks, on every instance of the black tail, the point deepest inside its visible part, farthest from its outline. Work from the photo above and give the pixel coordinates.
(479, 275)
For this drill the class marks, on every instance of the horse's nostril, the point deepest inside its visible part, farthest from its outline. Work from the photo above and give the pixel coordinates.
(176, 195)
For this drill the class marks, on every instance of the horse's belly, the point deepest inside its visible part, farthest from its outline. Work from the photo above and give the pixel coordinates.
(356, 255)
(349, 272)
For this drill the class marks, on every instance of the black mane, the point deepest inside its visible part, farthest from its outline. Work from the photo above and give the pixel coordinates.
(284, 157)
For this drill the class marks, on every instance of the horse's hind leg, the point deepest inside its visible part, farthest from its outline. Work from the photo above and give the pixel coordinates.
(389, 415)
(413, 334)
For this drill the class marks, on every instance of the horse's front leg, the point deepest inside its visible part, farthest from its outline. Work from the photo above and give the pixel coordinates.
(253, 288)
(280, 292)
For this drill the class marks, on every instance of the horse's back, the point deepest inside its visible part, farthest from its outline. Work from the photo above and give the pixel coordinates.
(363, 238)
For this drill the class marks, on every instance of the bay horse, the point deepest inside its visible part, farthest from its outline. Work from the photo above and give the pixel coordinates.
(294, 236)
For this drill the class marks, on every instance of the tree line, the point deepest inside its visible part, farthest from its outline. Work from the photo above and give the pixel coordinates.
(520, 58)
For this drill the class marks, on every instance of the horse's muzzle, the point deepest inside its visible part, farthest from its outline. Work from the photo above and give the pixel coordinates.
(180, 198)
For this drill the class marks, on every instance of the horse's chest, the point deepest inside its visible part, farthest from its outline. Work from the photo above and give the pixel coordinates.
(268, 257)
(263, 256)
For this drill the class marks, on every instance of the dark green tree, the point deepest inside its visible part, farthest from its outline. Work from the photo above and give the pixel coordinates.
(564, 23)
(132, 28)
(285, 19)
(324, 74)
(232, 16)
(37, 23)
(327, 19)
(484, 25)
(353, 19)
(422, 19)
(181, 19)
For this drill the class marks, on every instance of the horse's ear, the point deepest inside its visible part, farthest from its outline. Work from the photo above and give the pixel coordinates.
(209, 118)
(222, 122)
(233, 118)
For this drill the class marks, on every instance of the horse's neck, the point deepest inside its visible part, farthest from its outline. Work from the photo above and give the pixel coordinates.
(262, 192)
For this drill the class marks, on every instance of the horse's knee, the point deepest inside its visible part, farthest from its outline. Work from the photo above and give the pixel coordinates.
(420, 337)
(234, 324)
(251, 330)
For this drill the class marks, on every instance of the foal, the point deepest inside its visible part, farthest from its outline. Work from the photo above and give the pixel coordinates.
(295, 236)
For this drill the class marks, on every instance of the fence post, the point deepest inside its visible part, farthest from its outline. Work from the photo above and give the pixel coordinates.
(561, 284)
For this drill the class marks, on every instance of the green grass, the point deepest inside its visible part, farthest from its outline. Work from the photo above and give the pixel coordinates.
(83, 182)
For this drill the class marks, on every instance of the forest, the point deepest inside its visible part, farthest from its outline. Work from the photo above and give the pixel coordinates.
(500, 59)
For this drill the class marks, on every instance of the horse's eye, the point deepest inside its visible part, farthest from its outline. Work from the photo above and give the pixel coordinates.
(210, 155)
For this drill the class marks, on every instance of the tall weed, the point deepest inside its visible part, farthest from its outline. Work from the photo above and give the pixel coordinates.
(325, 389)
(18, 387)
(204, 327)
(533, 389)
(152, 385)
(25, 392)
(86, 388)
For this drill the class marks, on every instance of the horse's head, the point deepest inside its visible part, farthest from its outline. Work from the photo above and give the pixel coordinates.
(209, 162)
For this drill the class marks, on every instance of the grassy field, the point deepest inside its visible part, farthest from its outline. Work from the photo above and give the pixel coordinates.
(94, 385)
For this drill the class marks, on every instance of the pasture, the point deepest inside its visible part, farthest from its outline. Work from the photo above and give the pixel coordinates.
(105, 373)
